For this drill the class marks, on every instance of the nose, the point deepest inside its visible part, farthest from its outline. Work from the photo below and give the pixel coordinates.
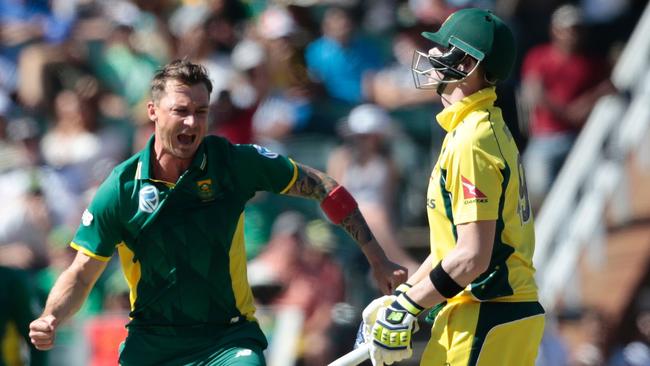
(190, 120)
(435, 52)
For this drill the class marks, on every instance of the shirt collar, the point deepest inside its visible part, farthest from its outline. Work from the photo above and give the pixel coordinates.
(143, 172)
(451, 116)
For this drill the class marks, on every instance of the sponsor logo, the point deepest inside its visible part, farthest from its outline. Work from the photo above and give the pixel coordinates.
(431, 202)
(265, 152)
(86, 218)
(243, 353)
(395, 317)
(473, 200)
(205, 189)
(148, 199)
(471, 193)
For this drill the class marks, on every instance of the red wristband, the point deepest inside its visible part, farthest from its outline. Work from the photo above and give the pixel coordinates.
(338, 204)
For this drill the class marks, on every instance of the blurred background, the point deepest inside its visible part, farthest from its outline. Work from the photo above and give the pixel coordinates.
(328, 83)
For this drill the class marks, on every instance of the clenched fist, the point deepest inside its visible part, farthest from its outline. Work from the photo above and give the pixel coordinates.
(41, 332)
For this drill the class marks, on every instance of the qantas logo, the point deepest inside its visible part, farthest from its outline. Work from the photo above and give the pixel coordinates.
(470, 190)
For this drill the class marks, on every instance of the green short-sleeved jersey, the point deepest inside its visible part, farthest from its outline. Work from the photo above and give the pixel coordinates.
(181, 245)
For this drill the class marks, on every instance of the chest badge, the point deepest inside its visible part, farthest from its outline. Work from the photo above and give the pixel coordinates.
(148, 199)
(206, 192)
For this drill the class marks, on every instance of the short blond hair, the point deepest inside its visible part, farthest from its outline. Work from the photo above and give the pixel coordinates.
(181, 70)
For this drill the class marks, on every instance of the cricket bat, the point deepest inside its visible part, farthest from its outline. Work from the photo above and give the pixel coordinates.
(353, 357)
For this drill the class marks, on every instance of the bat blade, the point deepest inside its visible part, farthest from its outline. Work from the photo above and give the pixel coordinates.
(353, 357)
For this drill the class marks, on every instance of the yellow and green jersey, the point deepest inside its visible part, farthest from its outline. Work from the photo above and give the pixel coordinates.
(479, 176)
(181, 244)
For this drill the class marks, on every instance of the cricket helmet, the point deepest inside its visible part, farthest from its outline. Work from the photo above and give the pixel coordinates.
(472, 32)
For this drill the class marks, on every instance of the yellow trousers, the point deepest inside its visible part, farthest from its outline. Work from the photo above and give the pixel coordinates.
(485, 334)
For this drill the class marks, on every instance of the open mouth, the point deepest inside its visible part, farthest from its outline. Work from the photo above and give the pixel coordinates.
(186, 139)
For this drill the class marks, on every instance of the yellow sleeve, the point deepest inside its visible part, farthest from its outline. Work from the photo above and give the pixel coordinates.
(475, 178)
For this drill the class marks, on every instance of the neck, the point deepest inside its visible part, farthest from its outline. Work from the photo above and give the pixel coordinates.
(452, 95)
(455, 92)
(167, 167)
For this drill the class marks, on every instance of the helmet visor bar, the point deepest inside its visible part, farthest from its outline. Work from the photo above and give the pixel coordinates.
(430, 71)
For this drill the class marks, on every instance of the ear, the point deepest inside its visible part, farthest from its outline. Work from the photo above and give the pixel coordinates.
(468, 64)
(151, 111)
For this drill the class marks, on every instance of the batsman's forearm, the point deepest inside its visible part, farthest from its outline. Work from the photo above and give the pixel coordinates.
(423, 271)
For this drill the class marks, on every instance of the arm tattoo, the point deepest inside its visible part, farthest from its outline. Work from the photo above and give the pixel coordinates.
(355, 225)
(314, 184)
(311, 183)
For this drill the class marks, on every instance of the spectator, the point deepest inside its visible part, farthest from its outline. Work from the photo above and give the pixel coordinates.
(636, 352)
(560, 84)
(106, 330)
(72, 139)
(365, 165)
(319, 267)
(19, 306)
(591, 351)
(553, 350)
(299, 258)
(289, 85)
(124, 68)
(77, 128)
(23, 231)
(281, 254)
(273, 115)
(71, 342)
(32, 173)
(341, 59)
(392, 86)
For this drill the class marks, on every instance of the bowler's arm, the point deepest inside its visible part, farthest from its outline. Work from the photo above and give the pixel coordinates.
(66, 297)
(314, 184)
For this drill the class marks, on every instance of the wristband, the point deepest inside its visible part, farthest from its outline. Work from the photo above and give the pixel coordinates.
(338, 204)
(406, 303)
(402, 288)
(445, 285)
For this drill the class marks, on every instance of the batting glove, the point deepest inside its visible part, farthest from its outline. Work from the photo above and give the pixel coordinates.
(393, 330)
(369, 316)
(401, 289)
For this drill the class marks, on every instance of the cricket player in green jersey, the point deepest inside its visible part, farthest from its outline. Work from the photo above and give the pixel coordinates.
(479, 275)
(174, 214)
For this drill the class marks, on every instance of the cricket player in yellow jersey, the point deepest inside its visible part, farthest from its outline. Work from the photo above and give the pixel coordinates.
(479, 277)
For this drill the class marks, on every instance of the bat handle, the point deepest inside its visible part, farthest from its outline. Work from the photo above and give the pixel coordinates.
(353, 357)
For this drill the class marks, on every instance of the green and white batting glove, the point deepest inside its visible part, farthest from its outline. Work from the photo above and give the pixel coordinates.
(393, 330)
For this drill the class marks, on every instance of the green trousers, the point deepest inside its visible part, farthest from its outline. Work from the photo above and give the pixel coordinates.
(239, 348)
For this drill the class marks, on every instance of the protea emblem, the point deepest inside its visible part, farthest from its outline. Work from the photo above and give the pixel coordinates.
(148, 199)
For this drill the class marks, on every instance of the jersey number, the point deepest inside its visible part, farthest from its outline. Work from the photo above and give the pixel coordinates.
(523, 208)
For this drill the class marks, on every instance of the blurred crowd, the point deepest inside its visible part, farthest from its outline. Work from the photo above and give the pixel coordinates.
(328, 82)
